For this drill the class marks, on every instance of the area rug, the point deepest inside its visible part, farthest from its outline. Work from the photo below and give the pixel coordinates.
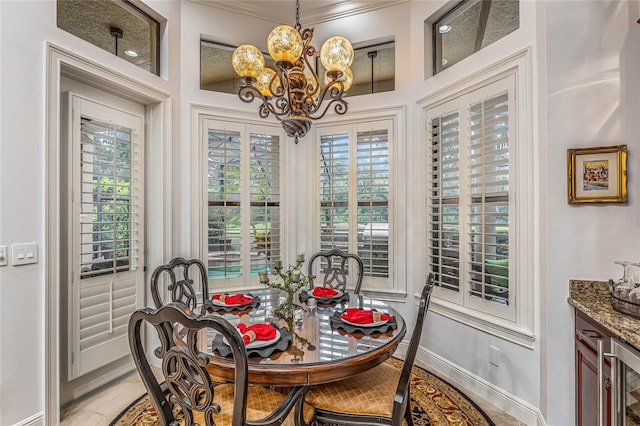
(434, 402)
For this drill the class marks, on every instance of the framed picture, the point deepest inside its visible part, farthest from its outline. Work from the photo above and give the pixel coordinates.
(597, 175)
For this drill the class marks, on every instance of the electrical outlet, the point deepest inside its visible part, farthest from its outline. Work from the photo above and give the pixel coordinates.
(494, 356)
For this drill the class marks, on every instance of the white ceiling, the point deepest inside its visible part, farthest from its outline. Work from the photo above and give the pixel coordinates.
(311, 11)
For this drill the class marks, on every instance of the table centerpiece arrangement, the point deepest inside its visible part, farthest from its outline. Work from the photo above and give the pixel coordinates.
(288, 281)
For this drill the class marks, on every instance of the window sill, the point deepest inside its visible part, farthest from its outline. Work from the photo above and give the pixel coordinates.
(483, 322)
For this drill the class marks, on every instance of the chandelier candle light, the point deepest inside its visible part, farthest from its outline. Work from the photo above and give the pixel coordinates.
(292, 93)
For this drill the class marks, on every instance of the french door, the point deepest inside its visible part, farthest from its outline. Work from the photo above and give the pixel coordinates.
(106, 231)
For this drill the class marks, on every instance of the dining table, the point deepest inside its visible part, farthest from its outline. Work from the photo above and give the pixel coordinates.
(318, 348)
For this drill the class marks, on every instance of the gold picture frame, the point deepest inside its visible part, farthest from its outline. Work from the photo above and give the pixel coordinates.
(597, 175)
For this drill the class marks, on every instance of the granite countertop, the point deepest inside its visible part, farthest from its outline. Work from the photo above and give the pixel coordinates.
(593, 299)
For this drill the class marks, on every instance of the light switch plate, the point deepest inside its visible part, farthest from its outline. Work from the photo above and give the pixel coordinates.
(3, 256)
(23, 254)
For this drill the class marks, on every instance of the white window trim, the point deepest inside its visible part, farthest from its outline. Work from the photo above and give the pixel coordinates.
(396, 290)
(198, 194)
(522, 330)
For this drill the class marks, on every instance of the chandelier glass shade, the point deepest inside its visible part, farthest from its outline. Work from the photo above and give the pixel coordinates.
(292, 93)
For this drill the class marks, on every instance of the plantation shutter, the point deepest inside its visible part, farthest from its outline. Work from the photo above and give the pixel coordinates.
(373, 201)
(107, 228)
(355, 185)
(224, 203)
(488, 202)
(444, 199)
(264, 158)
(334, 192)
(244, 224)
(469, 201)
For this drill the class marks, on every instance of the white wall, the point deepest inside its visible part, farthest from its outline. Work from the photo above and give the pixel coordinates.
(25, 28)
(593, 98)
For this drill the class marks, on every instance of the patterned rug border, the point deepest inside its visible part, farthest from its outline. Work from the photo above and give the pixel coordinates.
(475, 405)
(394, 361)
(129, 407)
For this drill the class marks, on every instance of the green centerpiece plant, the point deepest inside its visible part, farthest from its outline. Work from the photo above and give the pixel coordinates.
(288, 281)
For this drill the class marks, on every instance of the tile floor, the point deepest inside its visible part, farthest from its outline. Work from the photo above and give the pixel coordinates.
(100, 407)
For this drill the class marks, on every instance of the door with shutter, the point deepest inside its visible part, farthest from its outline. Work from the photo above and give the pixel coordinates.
(106, 232)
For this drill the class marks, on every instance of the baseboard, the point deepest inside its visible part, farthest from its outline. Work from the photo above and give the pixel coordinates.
(516, 407)
(35, 420)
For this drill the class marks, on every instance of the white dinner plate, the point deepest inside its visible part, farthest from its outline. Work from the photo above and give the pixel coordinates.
(338, 294)
(371, 324)
(258, 343)
(219, 303)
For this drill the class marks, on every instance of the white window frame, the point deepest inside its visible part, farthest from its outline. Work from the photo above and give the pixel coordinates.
(516, 326)
(235, 121)
(394, 287)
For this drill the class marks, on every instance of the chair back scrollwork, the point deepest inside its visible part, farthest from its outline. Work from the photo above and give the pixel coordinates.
(191, 397)
(189, 386)
(336, 271)
(181, 287)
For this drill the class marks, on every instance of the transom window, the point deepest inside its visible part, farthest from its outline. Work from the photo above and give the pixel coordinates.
(116, 26)
(373, 68)
(471, 26)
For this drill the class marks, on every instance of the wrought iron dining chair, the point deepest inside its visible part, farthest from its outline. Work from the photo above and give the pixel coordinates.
(191, 396)
(336, 270)
(181, 284)
(379, 396)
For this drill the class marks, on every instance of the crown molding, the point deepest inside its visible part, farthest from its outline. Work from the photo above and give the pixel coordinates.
(312, 12)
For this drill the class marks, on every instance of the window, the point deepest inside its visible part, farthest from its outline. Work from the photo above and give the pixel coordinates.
(470, 220)
(470, 26)
(115, 26)
(373, 69)
(216, 70)
(243, 200)
(107, 220)
(354, 171)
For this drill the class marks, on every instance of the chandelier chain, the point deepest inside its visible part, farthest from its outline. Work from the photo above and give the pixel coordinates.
(298, 26)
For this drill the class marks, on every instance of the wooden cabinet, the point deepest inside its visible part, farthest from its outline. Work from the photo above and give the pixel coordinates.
(588, 332)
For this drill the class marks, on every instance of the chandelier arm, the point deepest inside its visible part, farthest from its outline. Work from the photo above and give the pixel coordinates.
(249, 93)
(282, 106)
(335, 90)
(313, 73)
(281, 75)
(340, 108)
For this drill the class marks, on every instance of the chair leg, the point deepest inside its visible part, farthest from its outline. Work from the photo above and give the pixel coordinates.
(407, 412)
(298, 419)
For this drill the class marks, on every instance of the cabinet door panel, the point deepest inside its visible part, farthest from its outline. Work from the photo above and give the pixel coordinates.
(587, 374)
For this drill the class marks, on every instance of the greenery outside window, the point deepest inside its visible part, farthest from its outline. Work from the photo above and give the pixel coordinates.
(116, 26)
(470, 26)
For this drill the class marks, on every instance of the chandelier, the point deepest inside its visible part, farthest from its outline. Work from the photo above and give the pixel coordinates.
(292, 93)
